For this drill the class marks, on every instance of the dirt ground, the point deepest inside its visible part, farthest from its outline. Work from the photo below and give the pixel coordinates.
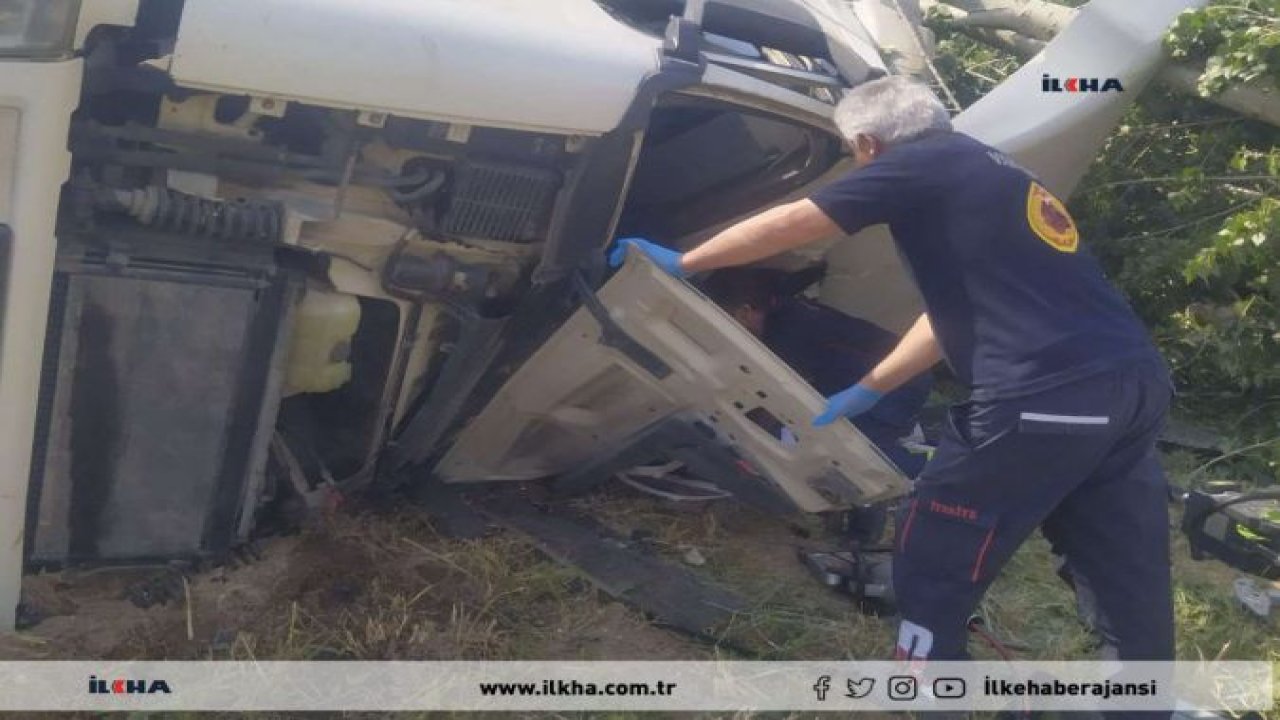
(373, 584)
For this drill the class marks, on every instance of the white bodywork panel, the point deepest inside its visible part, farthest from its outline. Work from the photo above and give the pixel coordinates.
(1054, 135)
(577, 398)
(560, 66)
(36, 101)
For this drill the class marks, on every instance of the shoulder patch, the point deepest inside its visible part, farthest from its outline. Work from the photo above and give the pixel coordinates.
(1050, 220)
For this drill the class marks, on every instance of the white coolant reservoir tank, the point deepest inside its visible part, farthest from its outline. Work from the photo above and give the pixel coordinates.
(320, 353)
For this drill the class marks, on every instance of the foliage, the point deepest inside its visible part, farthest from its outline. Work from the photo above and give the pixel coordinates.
(971, 69)
(1179, 210)
(1183, 208)
(1238, 42)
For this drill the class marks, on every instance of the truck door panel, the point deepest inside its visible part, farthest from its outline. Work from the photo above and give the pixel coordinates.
(578, 397)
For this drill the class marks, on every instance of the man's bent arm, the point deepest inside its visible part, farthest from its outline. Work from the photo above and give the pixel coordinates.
(915, 353)
(773, 231)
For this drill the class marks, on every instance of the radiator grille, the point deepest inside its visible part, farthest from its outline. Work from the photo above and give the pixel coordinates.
(510, 203)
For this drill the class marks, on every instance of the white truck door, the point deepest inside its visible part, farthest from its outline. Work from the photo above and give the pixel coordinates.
(651, 357)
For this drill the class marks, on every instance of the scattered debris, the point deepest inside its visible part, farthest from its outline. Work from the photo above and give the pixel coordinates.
(693, 556)
(1260, 600)
(866, 576)
(666, 482)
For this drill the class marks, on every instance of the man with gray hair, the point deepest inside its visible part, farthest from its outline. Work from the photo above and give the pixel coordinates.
(1067, 392)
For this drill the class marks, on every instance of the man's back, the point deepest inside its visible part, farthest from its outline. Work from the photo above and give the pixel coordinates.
(1017, 303)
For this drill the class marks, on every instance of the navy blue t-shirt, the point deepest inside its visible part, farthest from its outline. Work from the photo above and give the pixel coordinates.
(1016, 302)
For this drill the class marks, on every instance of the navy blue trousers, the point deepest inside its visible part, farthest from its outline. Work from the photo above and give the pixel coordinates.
(1078, 462)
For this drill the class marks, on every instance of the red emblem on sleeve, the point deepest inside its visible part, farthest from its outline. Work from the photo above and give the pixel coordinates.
(1050, 220)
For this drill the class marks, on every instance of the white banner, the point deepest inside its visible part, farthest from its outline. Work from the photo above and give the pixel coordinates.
(670, 686)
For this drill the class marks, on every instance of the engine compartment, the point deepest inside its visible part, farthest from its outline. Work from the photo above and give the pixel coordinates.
(377, 237)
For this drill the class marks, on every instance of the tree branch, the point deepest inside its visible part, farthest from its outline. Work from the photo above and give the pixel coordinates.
(928, 61)
(1007, 40)
(1032, 18)
(1254, 102)
(1233, 453)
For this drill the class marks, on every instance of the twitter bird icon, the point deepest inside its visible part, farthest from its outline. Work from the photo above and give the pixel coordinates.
(860, 688)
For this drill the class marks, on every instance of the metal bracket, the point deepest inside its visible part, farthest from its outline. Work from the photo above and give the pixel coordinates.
(684, 33)
(612, 335)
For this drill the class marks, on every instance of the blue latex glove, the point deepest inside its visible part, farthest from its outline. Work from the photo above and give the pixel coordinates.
(848, 403)
(668, 260)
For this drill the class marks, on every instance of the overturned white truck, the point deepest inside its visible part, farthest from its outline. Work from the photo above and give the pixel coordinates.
(256, 251)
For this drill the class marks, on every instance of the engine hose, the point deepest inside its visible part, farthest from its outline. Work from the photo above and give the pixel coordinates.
(197, 216)
(428, 188)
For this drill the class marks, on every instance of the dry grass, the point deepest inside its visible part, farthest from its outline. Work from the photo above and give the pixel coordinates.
(405, 593)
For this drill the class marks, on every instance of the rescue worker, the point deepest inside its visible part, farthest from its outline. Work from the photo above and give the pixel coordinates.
(827, 348)
(1067, 392)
